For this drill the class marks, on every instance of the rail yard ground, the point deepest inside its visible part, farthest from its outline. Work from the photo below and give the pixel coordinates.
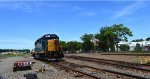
(6, 70)
(128, 57)
(73, 66)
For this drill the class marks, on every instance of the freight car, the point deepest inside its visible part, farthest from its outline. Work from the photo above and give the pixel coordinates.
(48, 47)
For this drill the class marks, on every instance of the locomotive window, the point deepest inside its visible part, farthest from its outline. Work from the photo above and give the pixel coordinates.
(53, 35)
(47, 36)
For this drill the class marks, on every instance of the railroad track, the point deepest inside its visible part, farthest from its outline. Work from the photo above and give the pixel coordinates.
(127, 54)
(95, 73)
(142, 67)
(126, 66)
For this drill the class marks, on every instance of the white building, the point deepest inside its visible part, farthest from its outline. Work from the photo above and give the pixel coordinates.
(132, 45)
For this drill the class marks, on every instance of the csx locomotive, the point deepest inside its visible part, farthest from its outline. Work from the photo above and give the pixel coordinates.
(48, 47)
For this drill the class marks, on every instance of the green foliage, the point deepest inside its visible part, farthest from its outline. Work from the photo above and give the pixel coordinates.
(148, 39)
(138, 48)
(11, 50)
(87, 37)
(104, 36)
(137, 40)
(70, 46)
(63, 45)
(121, 32)
(124, 47)
(140, 40)
(73, 46)
(109, 36)
(87, 44)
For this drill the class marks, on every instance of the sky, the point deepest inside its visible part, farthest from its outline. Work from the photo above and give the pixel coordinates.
(23, 22)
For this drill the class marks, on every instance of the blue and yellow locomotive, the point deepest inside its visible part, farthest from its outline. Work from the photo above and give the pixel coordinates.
(48, 47)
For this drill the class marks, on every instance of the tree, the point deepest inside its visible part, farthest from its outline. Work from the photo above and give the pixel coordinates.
(138, 48)
(87, 45)
(102, 36)
(109, 36)
(78, 46)
(12, 50)
(137, 40)
(148, 39)
(124, 47)
(73, 46)
(63, 45)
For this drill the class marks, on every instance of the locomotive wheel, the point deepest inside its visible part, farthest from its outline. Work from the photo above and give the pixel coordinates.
(33, 55)
(37, 56)
(57, 59)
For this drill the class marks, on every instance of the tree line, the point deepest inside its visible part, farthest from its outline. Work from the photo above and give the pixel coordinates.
(106, 39)
(140, 40)
(14, 50)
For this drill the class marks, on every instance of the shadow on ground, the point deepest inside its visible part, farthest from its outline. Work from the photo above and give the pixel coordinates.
(30, 76)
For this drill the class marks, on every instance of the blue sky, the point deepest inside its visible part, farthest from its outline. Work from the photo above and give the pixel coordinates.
(22, 22)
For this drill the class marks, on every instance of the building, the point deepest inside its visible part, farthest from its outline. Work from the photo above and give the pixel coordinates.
(144, 44)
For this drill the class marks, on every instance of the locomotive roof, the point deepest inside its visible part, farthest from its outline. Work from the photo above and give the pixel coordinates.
(48, 36)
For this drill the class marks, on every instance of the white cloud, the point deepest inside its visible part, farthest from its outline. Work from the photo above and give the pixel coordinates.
(130, 9)
(13, 5)
(29, 6)
(88, 13)
(82, 12)
(73, 39)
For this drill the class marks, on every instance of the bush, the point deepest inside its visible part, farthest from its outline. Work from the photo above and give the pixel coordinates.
(138, 48)
(124, 47)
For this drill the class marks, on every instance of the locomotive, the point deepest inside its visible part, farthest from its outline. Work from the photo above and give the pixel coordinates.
(48, 47)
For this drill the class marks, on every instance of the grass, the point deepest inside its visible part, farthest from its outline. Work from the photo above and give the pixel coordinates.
(14, 55)
(142, 60)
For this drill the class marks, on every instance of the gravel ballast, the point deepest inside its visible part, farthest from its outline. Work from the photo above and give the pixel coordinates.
(107, 67)
(126, 58)
(6, 70)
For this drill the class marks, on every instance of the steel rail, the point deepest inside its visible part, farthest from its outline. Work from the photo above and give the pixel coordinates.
(99, 69)
(111, 62)
(66, 67)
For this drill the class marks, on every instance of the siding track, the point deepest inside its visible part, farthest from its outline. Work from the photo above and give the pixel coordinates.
(78, 68)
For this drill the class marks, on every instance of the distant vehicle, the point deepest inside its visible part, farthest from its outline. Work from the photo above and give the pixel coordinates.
(48, 47)
(26, 52)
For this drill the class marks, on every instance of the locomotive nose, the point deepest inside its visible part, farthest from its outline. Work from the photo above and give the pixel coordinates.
(53, 45)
